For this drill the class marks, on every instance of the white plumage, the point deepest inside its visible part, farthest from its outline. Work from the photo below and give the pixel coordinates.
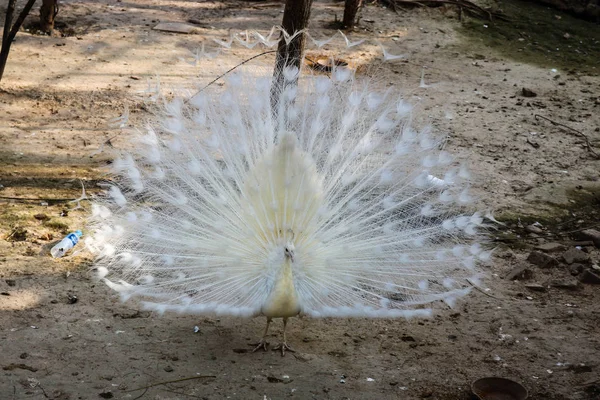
(336, 207)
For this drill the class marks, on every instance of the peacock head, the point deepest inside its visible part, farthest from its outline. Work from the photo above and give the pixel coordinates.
(288, 251)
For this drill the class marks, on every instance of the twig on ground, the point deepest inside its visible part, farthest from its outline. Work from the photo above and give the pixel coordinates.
(173, 381)
(183, 394)
(481, 290)
(141, 395)
(579, 133)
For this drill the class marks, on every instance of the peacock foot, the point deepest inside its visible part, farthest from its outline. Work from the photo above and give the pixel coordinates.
(283, 346)
(262, 344)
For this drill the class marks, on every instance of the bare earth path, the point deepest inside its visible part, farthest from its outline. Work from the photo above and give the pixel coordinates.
(62, 336)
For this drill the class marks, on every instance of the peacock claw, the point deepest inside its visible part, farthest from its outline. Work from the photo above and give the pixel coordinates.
(283, 346)
(260, 345)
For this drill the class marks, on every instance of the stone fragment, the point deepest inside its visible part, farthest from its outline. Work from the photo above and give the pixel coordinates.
(575, 255)
(518, 272)
(41, 217)
(536, 287)
(591, 234)
(525, 92)
(542, 260)
(576, 269)
(590, 277)
(570, 284)
(533, 228)
(175, 27)
(551, 247)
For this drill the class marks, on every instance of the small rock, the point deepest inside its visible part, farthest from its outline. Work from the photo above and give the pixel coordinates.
(41, 217)
(518, 272)
(46, 236)
(168, 368)
(240, 351)
(18, 234)
(576, 269)
(10, 282)
(583, 244)
(175, 27)
(534, 228)
(106, 395)
(591, 234)
(590, 277)
(536, 287)
(542, 260)
(525, 92)
(71, 298)
(575, 255)
(551, 247)
(570, 284)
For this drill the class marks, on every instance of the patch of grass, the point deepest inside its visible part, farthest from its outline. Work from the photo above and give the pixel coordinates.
(538, 35)
(57, 225)
(8, 218)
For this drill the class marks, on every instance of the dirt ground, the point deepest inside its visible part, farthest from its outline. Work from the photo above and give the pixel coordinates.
(62, 336)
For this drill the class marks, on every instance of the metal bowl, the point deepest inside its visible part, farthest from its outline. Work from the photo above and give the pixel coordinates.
(492, 388)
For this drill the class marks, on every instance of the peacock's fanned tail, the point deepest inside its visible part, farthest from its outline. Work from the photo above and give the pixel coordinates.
(374, 212)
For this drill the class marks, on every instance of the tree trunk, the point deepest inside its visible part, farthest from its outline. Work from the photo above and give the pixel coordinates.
(289, 52)
(48, 11)
(9, 32)
(350, 12)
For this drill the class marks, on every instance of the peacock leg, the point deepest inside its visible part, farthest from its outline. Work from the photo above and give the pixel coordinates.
(262, 344)
(283, 346)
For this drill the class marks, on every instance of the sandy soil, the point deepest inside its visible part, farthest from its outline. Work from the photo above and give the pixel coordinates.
(64, 337)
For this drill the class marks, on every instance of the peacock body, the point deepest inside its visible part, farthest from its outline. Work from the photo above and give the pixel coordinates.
(327, 203)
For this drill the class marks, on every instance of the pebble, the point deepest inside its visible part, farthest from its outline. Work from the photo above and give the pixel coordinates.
(41, 217)
(536, 287)
(534, 229)
(542, 260)
(525, 92)
(575, 255)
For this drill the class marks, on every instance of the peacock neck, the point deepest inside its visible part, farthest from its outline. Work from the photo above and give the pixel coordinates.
(283, 299)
